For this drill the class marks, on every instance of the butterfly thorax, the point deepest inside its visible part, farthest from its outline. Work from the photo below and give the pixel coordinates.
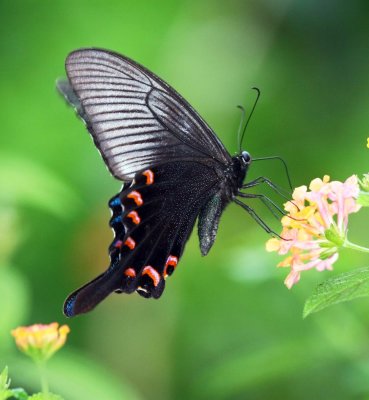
(239, 167)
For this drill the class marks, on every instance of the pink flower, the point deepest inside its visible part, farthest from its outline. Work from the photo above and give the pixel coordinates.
(316, 225)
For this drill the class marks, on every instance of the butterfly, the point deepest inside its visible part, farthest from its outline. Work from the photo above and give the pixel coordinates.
(173, 167)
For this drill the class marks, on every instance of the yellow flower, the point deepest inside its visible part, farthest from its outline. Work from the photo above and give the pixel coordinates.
(39, 341)
(367, 144)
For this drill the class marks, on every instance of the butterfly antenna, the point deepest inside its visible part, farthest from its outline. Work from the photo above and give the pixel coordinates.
(243, 116)
(248, 119)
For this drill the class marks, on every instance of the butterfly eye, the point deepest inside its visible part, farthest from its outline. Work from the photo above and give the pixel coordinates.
(246, 157)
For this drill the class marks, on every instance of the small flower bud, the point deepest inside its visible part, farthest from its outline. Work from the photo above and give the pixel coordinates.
(364, 183)
(334, 236)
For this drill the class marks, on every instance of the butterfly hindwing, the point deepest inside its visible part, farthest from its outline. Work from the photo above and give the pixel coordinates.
(152, 218)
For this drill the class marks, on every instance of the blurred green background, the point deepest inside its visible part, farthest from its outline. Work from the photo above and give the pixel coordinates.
(226, 327)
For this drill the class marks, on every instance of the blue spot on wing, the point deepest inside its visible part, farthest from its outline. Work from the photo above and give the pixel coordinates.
(69, 306)
(116, 220)
(115, 202)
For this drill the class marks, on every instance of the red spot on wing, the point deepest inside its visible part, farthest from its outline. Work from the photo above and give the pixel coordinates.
(172, 261)
(118, 244)
(134, 217)
(130, 272)
(136, 196)
(130, 243)
(152, 273)
(149, 176)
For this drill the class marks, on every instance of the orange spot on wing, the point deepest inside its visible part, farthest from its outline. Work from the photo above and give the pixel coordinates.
(130, 272)
(130, 243)
(152, 273)
(134, 217)
(171, 261)
(136, 196)
(149, 176)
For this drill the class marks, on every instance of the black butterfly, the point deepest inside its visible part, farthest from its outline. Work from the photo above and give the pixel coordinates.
(173, 166)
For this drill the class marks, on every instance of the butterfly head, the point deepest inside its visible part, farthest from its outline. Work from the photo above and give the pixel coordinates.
(245, 158)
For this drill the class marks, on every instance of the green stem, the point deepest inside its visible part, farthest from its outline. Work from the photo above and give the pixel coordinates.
(354, 246)
(44, 382)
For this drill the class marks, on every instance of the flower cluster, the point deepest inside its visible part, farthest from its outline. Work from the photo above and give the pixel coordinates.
(316, 225)
(39, 341)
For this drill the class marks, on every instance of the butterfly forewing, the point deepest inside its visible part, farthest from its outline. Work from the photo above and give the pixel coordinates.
(136, 119)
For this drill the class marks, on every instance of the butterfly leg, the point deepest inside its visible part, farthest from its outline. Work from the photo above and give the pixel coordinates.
(269, 203)
(276, 188)
(257, 218)
(263, 179)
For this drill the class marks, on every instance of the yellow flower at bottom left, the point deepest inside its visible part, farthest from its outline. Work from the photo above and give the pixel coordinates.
(40, 341)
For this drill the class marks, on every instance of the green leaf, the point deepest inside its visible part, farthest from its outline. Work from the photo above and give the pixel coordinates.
(48, 396)
(344, 287)
(19, 394)
(5, 392)
(4, 382)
